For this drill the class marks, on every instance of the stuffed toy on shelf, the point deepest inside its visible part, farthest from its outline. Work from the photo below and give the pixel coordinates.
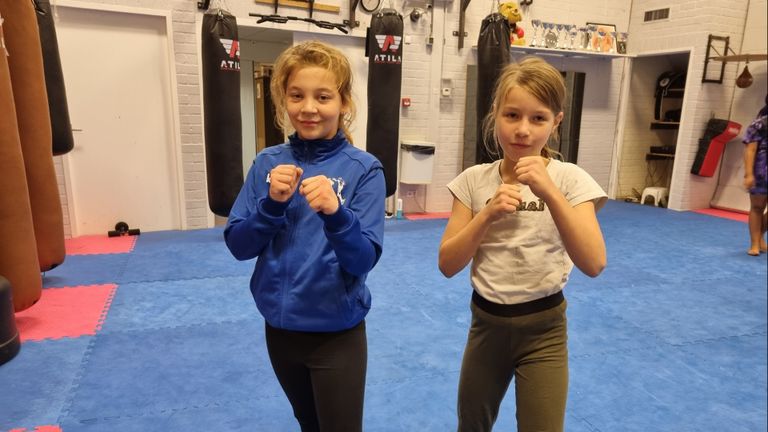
(511, 11)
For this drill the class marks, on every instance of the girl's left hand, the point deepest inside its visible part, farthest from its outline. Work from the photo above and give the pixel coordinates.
(319, 193)
(532, 171)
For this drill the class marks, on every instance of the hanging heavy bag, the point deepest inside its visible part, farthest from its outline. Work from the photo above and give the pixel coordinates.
(221, 110)
(18, 251)
(384, 50)
(492, 56)
(61, 128)
(10, 343)
(25, 64)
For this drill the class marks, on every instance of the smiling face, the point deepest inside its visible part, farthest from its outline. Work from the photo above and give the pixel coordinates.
(313, 102)
(524, 124)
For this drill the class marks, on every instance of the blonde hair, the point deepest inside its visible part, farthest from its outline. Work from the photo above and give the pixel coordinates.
(538, 78)
(313, 54)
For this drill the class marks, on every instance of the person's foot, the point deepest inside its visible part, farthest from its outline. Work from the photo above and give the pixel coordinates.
(753, 251)
(763, 247)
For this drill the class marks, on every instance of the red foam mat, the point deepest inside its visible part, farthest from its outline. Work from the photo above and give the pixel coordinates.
(418, 216)
(99, 244)
(732, 215)
(66, 312)
(47, 428)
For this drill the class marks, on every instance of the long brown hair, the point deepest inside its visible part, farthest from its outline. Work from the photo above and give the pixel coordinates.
(540, 79)
(309, 54)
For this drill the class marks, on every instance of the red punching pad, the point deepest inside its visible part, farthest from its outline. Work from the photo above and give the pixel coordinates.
(18, 253)
(718, 133)
(25, 63)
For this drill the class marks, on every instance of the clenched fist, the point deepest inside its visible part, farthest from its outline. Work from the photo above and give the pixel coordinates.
(283, 180)
(532, 171)
(504, 202)
(320, 195)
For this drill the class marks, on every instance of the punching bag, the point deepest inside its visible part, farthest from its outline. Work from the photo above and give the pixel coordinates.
(492, 56)
(25, 63)
(384, 50)
(18, 251)
(61, 128)
(711, 146)
(10, 343)
(221, 110)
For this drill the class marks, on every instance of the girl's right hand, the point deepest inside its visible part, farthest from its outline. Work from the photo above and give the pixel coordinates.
(749, 181)
(504, 202)
(283, 181)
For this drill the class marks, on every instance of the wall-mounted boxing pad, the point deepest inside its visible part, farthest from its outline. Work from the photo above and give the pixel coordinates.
(711, 146)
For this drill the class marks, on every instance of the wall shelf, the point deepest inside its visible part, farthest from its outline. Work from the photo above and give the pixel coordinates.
(664, 125)
(565, 53)
(658, 156)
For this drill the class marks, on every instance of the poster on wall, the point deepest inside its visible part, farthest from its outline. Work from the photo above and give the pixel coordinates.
(603, 36)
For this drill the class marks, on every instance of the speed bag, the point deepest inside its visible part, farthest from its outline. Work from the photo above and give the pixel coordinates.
(711, 146)
(492, 56)
(221, 110)
(384, 49)
(25, 64)
(18, 253)
(61, 128)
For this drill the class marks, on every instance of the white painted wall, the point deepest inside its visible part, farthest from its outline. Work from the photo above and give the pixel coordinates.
(730, 193)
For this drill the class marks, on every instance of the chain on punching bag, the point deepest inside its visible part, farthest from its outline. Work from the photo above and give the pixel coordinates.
(221, 110)
(492, 56)
(385, 71)
(61, 128)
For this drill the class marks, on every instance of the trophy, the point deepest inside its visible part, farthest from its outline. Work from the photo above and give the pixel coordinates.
(550, 38)
(621, 42)
(591, 29)
(536, 23)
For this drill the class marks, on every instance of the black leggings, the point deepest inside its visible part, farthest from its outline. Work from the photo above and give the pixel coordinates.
(323, 375)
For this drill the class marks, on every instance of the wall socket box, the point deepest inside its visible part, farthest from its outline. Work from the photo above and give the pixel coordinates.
(445, 91)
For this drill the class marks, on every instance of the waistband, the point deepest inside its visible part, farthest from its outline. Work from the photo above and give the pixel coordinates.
(519, 309)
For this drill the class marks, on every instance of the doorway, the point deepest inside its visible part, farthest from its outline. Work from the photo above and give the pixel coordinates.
(652, 122)
(124, 163)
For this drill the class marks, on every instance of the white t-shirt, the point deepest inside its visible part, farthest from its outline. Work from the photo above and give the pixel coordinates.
(522, 257)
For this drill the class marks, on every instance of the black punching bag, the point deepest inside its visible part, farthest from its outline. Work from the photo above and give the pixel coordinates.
(221, 110)
(492, 56)
(61, 128)
(9, 333)
(385, 72)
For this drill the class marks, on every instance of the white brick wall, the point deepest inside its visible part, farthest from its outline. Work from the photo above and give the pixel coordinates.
(689, 25)
(438, 119)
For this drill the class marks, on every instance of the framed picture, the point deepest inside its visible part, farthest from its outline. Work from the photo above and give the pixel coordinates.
(607, 41)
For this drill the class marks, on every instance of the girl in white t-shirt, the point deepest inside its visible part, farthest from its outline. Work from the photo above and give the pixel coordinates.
(523, 221)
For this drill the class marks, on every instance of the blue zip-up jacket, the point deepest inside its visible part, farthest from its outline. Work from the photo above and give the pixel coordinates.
(311, 267)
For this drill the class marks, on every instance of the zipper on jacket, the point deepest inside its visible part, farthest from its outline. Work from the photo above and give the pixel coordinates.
(285, 287)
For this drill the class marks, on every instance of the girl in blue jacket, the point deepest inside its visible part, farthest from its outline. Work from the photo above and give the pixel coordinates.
(312, 211)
